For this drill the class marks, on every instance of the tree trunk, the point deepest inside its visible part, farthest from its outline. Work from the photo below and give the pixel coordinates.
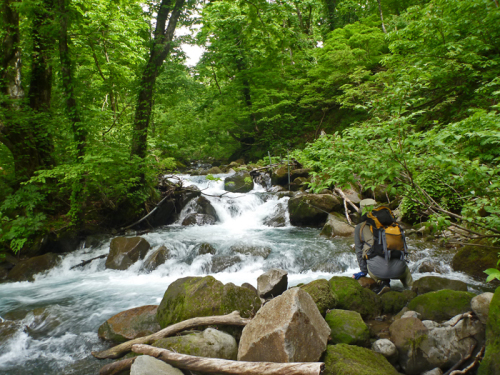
(223, 366)
(381, 16)
(159, 52)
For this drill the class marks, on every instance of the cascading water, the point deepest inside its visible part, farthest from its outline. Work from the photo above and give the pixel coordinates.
(50, 325)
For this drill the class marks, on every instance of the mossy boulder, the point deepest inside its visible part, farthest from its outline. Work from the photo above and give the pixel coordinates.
(240, 182)
(321, 294)
(434, 283)
(337, 226)
(312, 210)
(192, 297)
(347, 328)
(352, 296)
(490, 365)
(27, 269)
(214, 170)
(393, 302)
(473, 260)
(280, 176)
(210, 343)
(343, 359)
(441, 305)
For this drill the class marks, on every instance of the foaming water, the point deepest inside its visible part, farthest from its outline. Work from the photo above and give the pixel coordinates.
(55, 319)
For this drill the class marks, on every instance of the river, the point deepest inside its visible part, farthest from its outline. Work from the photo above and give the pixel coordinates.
(55, 319)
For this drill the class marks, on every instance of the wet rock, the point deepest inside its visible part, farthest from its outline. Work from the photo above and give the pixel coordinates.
(347, 328)
(428, 266)
(473, 260)
(328, 267)
(280, 176)
(256, 251)
(147, 365)
(387, 349)
(490, 365)
(367, 282)
(481, 306)
(210, 343)
(206, 248)
(289, 328)
(42, 321)
(278, 217)
(272, 283)
(130, 324)
(352, 296)
(95, 240)
(156, 259)
(198, 219)
(7, 330)
(222, 262)
(214, 170)
(441, 305)
(206, 208)
(27, 269)
(312, 209)
(434, 283)
(125, 251)
(168, 211)
(423, 346)
(322, 295)
(337, 226)
(191, 297)
(343, 359)
(240, 182)
(392, 302)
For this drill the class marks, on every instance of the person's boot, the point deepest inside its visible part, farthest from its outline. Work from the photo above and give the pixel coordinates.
(385, 286)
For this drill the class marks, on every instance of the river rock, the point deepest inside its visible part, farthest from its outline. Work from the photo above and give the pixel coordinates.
(352, 296)
(423, 346)
(210, 343)
(434, 283)
(367, 282)
(240, 182)
(481, 306)
(7, 330)
(198, 219)
(347, 327)
(125, 251)
(147, 365)
(312, 210)
(277, 218)
(473, 260)
(192, 297)
(429, 266)
(206, 248)
(130, 324)
(156, 259)
(392, 302)
(289, 328)
(322, 295)
(387, 349)
(167, 212)
(251, 287)
(272, 283)
(490, 365)
(353, 196)
(27, 269)
(223, 262)
(203, 206)
(336, 226)
(441, 305)
(256, 251)
(343, 359)
(214, 170)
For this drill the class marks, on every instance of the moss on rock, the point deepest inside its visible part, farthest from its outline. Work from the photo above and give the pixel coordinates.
(312, 209)
(393, 302)
(352, 296)
(473, 260)
(434, 283)
(490, 365)
(321, 294)
(240, 182)
(441, 305)
(347, 328)
(27, 269)
(343, 359)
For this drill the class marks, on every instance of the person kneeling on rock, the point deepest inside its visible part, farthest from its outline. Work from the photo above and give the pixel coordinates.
(381, 249)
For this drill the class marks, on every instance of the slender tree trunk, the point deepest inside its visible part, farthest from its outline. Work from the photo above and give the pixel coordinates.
(381, 16)
(160, 50)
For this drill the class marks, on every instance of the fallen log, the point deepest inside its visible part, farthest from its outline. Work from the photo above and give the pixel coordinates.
(85, 262)
(472, 365)
(224, 366)
(117, 367)
(118, 351)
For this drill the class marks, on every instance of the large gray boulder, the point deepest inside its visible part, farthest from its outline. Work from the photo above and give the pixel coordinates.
(156, 259)
(423, 346)
(434, 283)
(277, 218)
(203, 206)
(289, 328)
(272, 283)
(210, 343)
(125, 251)
(240, 182)
(27, 269)
(198, 219)
(312, 210)
(481, 306)
(222, 262)
(147, 365)
(130, 324)
(337, 226)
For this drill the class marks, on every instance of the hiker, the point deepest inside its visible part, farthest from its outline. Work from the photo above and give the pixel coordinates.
(381, 249)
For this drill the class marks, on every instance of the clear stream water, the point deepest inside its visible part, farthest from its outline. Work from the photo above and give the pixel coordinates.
(56, 317)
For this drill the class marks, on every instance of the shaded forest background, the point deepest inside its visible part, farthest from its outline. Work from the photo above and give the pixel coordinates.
(96, 101)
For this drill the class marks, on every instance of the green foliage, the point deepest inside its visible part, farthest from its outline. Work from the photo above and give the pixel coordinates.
(493, 273)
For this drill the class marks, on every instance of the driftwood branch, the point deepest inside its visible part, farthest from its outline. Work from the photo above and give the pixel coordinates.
(148, 215)
(462, 360)
(472, 365)
(85, 262)
(344, 197)
(118, 351)
(223, 366)
(117, 367)
(462, 316)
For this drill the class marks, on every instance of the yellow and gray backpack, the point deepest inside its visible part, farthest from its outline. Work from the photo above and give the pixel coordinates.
(388, 237)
